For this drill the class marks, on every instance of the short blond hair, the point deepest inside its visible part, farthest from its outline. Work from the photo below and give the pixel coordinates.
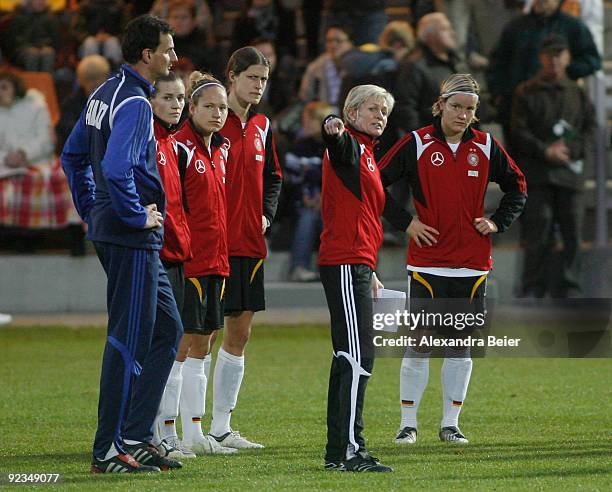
(360, 93)
(458, 82)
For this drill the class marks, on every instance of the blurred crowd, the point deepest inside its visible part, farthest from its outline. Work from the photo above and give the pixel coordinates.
(54, 53)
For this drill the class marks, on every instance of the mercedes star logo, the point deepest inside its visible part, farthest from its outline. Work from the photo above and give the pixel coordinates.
(199, 166)
(437, 159)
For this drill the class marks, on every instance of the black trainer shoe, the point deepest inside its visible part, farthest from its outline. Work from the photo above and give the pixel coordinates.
(122, 463)
(452, 435)
(334, 465)
(364, 462)
(147, 454)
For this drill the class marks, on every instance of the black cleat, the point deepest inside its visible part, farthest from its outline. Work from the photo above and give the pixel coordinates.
(364, 462)
(334, 465)
(122, 463)
(147, 454)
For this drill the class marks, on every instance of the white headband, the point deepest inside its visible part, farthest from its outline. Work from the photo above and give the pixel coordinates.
(207, 84)
(449, 94)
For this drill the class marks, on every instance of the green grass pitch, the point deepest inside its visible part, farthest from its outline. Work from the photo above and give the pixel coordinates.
(534, 424)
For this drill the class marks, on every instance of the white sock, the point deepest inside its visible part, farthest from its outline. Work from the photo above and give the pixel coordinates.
(414, 376)
(169, 406)
(111, 453)
(192, 399)
(207, 363)
(455, 379)
(229, 370)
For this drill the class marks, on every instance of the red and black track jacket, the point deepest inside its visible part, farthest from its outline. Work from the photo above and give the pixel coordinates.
(203, 175)
(254, 180)
(449, 192)
(177, 239)
(352, 201)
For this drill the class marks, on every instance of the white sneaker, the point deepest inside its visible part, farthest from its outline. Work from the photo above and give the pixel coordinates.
(5, 319)
(172, 447)
(407, 435)
(233, 439)
(208, 445)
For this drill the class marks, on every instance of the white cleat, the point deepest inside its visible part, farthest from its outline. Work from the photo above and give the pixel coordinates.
(172, 447)
(453, 435)
(233, 439)
(208, 445)
(407, 435)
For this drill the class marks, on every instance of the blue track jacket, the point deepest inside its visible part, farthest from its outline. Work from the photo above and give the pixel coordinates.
(110, 162)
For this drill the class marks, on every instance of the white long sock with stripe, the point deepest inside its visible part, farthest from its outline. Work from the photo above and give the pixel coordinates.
(414, 376)
(229, 371)
(169, 406)
(456, 374)
(193, 399)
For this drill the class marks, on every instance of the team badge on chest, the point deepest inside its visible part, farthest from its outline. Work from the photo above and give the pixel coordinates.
(161, 158)
(437, 159)
(371, 165)
(258, 144)
(472, 159)
(200, 167)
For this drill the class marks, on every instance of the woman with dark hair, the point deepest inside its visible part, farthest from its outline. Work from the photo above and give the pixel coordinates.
(253, 186)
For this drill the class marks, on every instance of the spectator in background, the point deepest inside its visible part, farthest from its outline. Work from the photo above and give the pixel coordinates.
(303, 165)
(280, 88)
(515, 58)
(35, 36)
(485, 29)
(551, 125)
(33, 192)
(190, 40)
(398, 39)
(25, 125)
(203, 15)
(365, 18)
(97, 27)
(266, 19)
(322, 79)
(418, 81)
(91, 72)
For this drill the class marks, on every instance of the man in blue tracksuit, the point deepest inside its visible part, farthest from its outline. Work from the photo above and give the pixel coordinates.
(110, 162)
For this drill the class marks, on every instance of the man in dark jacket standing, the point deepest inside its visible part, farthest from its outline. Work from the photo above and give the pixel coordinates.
(515, 57)
(419, 79)
(552, 119)
(110, 160)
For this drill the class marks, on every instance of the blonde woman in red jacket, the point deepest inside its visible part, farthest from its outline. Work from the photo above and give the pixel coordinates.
(202, 157)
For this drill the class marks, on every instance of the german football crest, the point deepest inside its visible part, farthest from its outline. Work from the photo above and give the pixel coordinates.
(258, 144)
(161, 158)
(472, 159)
(371, 165)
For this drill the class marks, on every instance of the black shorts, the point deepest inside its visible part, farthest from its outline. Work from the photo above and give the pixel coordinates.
(245, 285)
(203, 310)
(176, 276)
(460, 296)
